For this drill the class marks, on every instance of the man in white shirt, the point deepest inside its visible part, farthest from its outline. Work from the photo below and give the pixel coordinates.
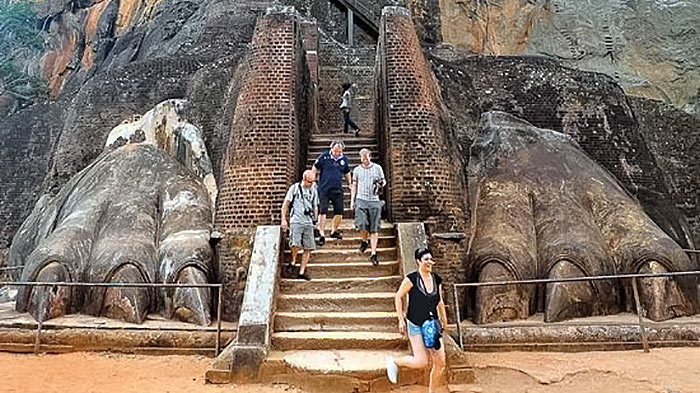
(302, 197)
(345, 108)
(367, 181)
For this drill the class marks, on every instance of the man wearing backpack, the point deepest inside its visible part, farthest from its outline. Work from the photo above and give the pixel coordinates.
(302, 197)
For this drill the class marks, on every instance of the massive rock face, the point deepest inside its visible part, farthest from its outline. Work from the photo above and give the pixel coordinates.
(542, 208)
(650, 47)
(109, 61)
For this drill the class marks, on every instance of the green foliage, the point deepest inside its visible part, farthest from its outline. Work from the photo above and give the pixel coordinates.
(20, 43)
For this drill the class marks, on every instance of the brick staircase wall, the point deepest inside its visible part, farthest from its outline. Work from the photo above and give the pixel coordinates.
(269, 122)
(426, 178)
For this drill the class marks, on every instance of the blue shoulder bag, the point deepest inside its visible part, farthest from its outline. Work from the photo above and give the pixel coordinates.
(431, 332)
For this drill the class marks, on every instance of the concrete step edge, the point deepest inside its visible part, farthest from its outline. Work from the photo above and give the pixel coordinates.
(345, 280)
(339, 296)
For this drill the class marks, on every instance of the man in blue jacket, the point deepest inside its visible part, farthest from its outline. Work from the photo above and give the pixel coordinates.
(333, 166)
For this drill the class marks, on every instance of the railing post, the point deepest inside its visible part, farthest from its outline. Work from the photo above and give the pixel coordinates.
(219, 308)
(458, 317)
(37, 338)
(351, 28)
(642, 328)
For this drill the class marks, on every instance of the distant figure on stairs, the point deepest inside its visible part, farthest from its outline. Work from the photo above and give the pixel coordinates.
(333, 166)
(425, 308)
(302, 197)
(367, 181)
(345, 105)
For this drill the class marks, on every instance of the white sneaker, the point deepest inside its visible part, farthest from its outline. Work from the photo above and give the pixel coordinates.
(392, 370)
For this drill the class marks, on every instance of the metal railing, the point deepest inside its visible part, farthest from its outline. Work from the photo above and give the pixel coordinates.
(370, 14)
(633, 277)
(218, 287)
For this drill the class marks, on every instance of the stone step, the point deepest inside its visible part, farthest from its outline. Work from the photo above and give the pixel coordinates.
(339, 285)
(353, 242)
(353, 159)
(351, 147)
(352, 269)
(347, 371)
(362, 364)
(335, 321)
(352, 156)
(324, 140)
(347, 229)
(340, 340)
(344, 370)
(341, 256)
(336, 302)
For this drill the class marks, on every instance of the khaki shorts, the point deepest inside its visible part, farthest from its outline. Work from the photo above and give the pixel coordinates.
(368, 215)
(302, 236)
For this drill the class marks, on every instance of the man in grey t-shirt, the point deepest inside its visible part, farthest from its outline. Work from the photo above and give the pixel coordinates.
(367, 181)
(302, 197)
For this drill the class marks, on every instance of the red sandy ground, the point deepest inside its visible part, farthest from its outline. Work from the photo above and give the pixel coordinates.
(672, 370)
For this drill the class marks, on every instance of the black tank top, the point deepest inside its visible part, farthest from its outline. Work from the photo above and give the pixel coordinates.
(421, 304)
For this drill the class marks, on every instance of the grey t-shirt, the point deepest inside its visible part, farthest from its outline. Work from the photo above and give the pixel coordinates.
(305, 198)
(365, 178)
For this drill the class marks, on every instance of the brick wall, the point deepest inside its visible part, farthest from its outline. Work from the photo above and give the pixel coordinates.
(341, 64)
(259, 164)
(27, 140)
(426, 178)
(673, 136)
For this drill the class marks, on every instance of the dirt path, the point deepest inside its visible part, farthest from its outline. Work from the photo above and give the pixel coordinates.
(673, 370)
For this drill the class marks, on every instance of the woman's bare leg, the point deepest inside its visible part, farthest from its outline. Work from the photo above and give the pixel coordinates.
(437, 358)
(419, 359)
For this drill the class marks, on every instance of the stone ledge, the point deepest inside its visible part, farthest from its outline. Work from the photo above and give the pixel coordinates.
(614, 332)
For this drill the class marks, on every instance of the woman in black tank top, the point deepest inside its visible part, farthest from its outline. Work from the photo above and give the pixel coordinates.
(425, 301)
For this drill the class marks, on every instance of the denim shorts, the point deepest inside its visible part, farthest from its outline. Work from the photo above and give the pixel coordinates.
(413, 329)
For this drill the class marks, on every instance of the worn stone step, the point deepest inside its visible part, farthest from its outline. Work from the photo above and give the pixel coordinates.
(339, 340)
(351, 150)
(339, 285)
(353, 157)
(336, 255)
(345, 370)
(350, 140)
(347, 229)
(336, 302)
(335, 321)
(352, 269)
(353, 242)
(362, 364)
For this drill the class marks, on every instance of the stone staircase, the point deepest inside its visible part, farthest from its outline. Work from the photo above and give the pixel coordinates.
(339, 326)
(353, 145)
